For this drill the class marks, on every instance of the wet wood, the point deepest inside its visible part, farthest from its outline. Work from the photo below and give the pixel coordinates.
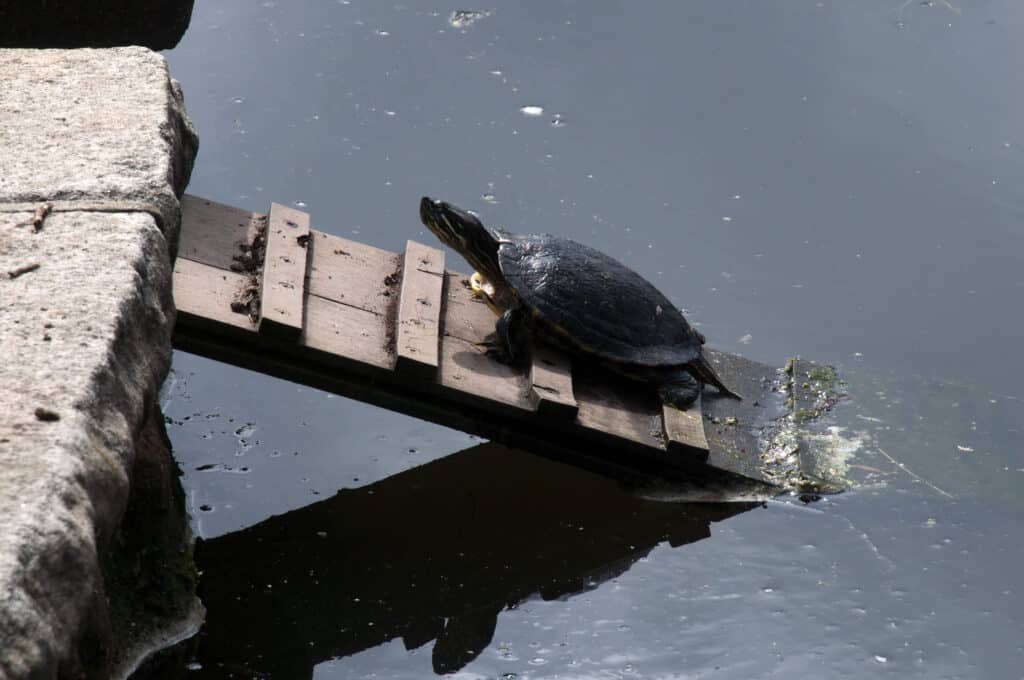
(282, 288)
(814, 390)
(401, 332)
(419, 311)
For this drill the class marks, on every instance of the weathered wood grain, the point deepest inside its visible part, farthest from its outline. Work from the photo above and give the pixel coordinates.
(465, 316)
(353, 273)
(684, 430)
(356, 334)
(466, 372)
(417, 327)
(282, 289)
(469, 376)
(203, 295)
(615, 408)
(551, 383)
(214, 233)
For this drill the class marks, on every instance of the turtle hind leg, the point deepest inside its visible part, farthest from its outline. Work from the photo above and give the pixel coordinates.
(703, 371)
(679, 390)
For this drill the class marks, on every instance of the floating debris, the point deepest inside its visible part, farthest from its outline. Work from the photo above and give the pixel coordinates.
(532, 111)
(464, 18)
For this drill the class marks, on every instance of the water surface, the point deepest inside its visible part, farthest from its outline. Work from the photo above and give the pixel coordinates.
(834, 180)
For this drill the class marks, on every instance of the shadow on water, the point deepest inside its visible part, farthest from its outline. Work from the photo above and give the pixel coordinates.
(435, 553)
(158, 24)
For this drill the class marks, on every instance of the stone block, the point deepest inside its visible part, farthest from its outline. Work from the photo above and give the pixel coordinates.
(86, 316)
(104, 127)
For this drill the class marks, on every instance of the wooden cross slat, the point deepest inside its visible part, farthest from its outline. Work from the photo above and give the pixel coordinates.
(684, 430)
(282, 288)
(466, 372)
(551, 383)
(419, 310)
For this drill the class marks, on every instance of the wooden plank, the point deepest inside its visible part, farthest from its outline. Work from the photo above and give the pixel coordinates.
(468, 375)
(733, 428)
(203, 295)
(353, 273)
(216, 234)
(355, 334)
(465, 370)
(419, 310)
(615, 409)
(684, 430)
(282, 289)
(813, 390)
(551, 383)
(465, 316)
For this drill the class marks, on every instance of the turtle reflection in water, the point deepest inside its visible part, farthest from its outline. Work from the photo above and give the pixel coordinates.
(578, 299)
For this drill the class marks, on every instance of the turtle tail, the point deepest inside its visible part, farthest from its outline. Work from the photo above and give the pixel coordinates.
(701, 369)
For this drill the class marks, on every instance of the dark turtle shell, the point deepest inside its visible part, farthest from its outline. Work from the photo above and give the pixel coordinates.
(595, 302)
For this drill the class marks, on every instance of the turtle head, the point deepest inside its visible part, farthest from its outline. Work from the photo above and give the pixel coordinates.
(462, 231)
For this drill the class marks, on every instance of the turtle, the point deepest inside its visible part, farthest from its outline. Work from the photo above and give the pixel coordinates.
(572, 296)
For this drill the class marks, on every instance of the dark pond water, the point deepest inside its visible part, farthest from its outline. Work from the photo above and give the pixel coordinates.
(835, 180)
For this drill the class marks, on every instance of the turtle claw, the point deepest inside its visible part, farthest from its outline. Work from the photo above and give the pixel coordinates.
(494, 349)
(499, 355)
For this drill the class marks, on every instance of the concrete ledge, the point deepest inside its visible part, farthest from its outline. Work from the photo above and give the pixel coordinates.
(94, 126)
(86, 316)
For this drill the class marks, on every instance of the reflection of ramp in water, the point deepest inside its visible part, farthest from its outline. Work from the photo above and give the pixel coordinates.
(432, 554)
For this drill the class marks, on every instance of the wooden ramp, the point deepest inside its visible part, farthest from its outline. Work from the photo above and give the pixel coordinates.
(268, 293)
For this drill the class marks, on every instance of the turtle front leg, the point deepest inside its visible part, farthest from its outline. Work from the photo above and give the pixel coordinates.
(511, 331)
(484, 291)
(680, 390)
